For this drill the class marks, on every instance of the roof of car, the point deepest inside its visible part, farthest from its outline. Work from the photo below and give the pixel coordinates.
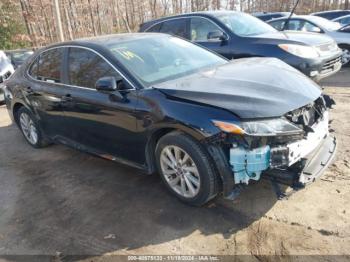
(106, 40)
(272, 13)
(204, 13)
(329, 11)
(341, 17)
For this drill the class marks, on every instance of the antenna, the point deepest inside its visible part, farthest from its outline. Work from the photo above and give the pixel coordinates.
(291, 13)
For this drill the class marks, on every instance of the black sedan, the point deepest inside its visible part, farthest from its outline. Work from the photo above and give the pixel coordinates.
(161, 104)
(236, 35)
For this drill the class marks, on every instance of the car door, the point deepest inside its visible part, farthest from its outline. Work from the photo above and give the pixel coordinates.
(45, 92)
(102, 122)
(200, 28)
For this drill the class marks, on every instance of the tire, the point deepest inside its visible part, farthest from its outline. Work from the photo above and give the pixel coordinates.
(197, 171)
(346, 48)
(2, 97)
(30, 128)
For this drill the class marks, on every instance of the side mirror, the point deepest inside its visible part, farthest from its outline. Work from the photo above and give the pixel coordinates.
(316, 30)
(217, 35)
(107, 84)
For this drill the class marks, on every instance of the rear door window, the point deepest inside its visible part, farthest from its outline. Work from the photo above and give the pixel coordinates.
(86, 67)
(175, 27)
(47, 67)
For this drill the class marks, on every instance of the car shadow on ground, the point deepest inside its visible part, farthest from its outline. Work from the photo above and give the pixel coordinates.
(57, 199)
(340, 79)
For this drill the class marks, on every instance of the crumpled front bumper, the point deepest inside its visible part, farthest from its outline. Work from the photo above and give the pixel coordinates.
(319, 160)
(313, 166)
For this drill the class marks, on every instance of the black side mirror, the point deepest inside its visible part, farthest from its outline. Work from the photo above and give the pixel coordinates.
(107, 84)
(217, 35)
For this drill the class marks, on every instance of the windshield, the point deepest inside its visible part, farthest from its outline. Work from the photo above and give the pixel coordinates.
(160, 58)
(326, 24)
(245, 25)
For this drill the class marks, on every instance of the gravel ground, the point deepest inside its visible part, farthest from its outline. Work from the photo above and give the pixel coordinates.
(60, 201)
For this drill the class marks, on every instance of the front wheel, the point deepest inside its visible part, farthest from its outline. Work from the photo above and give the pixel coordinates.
(345, 55)
(186, 169)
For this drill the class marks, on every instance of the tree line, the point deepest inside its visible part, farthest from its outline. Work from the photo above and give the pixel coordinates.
(33, 22)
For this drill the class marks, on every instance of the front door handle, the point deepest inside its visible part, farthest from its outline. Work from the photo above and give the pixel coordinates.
(29, 90)
(67, 98)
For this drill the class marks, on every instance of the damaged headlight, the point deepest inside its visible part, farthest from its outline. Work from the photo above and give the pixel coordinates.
(268, 127)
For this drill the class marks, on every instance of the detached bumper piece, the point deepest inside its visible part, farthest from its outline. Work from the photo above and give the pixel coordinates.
(318, 161)
(307, 170)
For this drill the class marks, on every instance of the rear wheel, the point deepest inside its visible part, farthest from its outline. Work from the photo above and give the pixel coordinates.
(186, 169)
(30, 128)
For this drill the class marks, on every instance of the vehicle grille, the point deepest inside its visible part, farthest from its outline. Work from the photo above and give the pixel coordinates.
(5, 76)
(331, 65)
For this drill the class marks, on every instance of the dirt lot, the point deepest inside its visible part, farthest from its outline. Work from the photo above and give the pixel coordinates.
(58, 200)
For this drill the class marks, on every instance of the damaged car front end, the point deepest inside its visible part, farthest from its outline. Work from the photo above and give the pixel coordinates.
(206, 125)
(278, 129)
(292, 150)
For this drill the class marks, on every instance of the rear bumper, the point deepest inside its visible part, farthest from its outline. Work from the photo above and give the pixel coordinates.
(309, 168)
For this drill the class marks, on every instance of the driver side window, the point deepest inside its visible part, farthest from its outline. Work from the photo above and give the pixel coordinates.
(200, 28)
(302, 25)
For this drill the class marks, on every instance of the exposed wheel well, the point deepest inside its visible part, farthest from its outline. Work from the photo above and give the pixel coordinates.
(151, 149)
(344, 46)
(151, 146)
(16, 107)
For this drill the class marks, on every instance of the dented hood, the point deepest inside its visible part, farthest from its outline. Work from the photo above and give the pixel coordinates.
(249, 88)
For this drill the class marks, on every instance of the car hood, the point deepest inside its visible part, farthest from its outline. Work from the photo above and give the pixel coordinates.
(249, 88)
(313, 39)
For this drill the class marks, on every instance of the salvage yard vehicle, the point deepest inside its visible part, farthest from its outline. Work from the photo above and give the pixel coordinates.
(315, 24)
(6, 70)
(236, 35)
(162, 104)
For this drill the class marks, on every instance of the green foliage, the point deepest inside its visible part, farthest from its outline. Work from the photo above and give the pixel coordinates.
(12, 30)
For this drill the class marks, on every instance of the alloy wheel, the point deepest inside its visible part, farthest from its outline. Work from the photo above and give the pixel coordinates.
(180, 171)
(345, 56)
(28, 127)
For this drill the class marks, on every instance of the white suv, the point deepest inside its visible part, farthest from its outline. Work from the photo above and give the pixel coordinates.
(6, 70)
